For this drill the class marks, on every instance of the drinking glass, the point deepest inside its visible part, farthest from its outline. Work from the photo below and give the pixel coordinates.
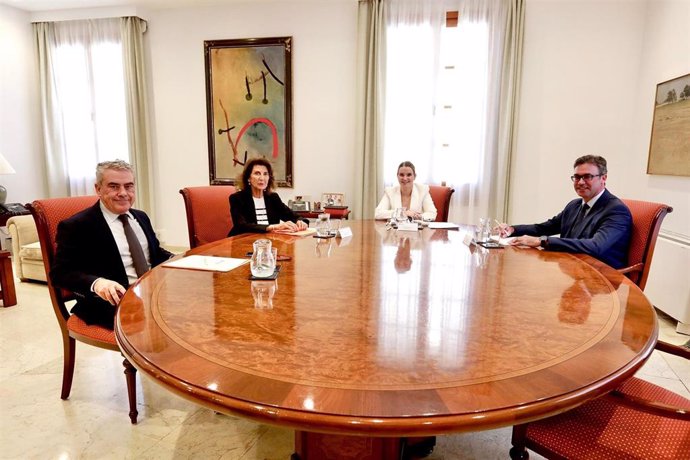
(483, 231)
(495, 233)
(335, 226)
(323, 225)
(399, 214)
(263, 262)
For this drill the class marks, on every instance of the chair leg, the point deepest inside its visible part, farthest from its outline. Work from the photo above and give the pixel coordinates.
(69, 348)
(519, 451)
(131, 375)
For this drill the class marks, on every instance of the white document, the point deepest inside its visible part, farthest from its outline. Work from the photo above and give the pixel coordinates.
(306, 232)
(407, 227)
(211, 263)
(443, 225)
(344, 232)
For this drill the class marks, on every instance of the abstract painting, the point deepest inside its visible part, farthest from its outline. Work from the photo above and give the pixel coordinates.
(249, 106)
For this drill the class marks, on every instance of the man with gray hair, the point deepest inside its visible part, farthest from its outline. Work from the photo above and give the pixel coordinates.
(105, 248)
(597, 223)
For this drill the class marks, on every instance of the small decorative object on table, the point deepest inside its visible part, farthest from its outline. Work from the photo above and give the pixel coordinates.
(332, 199)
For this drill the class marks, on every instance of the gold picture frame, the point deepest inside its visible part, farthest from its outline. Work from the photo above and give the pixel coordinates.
(249, 106)
(669, 147)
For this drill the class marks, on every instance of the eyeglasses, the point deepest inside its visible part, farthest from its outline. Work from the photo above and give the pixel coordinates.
(586, 177)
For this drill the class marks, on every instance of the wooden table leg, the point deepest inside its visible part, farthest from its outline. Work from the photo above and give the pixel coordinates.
(317, 446)
(9, 296)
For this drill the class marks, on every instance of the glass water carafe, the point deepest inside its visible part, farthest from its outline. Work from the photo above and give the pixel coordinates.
(263, 263)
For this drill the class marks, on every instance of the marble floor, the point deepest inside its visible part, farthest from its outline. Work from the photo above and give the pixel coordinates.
(93, 424)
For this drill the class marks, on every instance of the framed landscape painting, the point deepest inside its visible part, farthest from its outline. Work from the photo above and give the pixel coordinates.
(249, 106)
(669, 148)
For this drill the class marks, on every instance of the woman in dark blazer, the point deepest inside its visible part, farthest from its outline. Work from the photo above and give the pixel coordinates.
(256, 208)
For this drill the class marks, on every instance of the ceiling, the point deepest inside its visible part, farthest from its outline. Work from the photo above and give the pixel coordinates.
(48, 5)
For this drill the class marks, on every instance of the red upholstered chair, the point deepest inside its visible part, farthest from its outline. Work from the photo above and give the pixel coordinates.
(639, 420)
(440, 195)
(48, 214)
(208, 213)
(647, 217)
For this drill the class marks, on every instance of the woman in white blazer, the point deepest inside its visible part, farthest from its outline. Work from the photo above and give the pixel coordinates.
(414, 197)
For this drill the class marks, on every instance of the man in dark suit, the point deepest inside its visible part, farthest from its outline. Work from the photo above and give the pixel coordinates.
(597, 223)
(105, 248)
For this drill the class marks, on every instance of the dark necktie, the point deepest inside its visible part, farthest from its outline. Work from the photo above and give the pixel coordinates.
(138, 257)
(581, 214)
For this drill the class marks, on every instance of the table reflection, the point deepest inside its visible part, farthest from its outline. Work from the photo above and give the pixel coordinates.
(422, 315)
(263, 292)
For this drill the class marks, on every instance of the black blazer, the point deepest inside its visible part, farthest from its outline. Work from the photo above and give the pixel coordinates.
(244, 213)
(603, 234)
(86, 250)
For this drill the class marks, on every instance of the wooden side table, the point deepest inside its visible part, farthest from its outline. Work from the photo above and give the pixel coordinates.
(336, 213)
(9, 296)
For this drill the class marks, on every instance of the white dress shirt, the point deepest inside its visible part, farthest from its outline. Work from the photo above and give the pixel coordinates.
(118, 231)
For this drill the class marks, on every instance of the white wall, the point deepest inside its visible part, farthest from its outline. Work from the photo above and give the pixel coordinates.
(323, 66)
(21, 141)
(665, 55)
(581, 60)
(589, 79)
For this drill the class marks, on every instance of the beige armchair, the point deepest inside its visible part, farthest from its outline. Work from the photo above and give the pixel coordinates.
(26, 250)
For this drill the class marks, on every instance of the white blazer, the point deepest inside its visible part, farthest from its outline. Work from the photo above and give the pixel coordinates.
(420, 201)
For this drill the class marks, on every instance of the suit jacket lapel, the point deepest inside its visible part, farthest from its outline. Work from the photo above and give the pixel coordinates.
(579, 230)
(110, 254)
(397, 198)
(414, 199)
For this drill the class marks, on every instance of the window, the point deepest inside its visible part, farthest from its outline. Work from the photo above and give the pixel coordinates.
(90, 90)
(436, 95)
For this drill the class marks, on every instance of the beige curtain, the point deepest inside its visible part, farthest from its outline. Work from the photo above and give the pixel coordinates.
(510, 87)
(370, 97)
(57, 179)
(133, 29)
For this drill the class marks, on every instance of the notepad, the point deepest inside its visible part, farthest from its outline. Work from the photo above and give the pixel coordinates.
(211, 263)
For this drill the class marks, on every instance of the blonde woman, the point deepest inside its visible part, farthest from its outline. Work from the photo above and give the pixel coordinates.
(415, 198)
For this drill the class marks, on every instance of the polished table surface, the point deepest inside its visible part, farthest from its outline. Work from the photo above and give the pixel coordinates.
(389, 333)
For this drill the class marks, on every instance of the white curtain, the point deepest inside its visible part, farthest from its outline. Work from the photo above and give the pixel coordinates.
(87, 117)
(430, 68)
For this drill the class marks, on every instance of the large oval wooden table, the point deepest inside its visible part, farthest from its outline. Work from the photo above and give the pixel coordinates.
(388, 334)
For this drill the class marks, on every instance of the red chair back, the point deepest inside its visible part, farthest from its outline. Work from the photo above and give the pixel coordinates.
(647, 217)
(48, 214)
(440, 195)
(208, 213)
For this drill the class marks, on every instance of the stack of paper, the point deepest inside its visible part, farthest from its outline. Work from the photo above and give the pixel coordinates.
(212, 263)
